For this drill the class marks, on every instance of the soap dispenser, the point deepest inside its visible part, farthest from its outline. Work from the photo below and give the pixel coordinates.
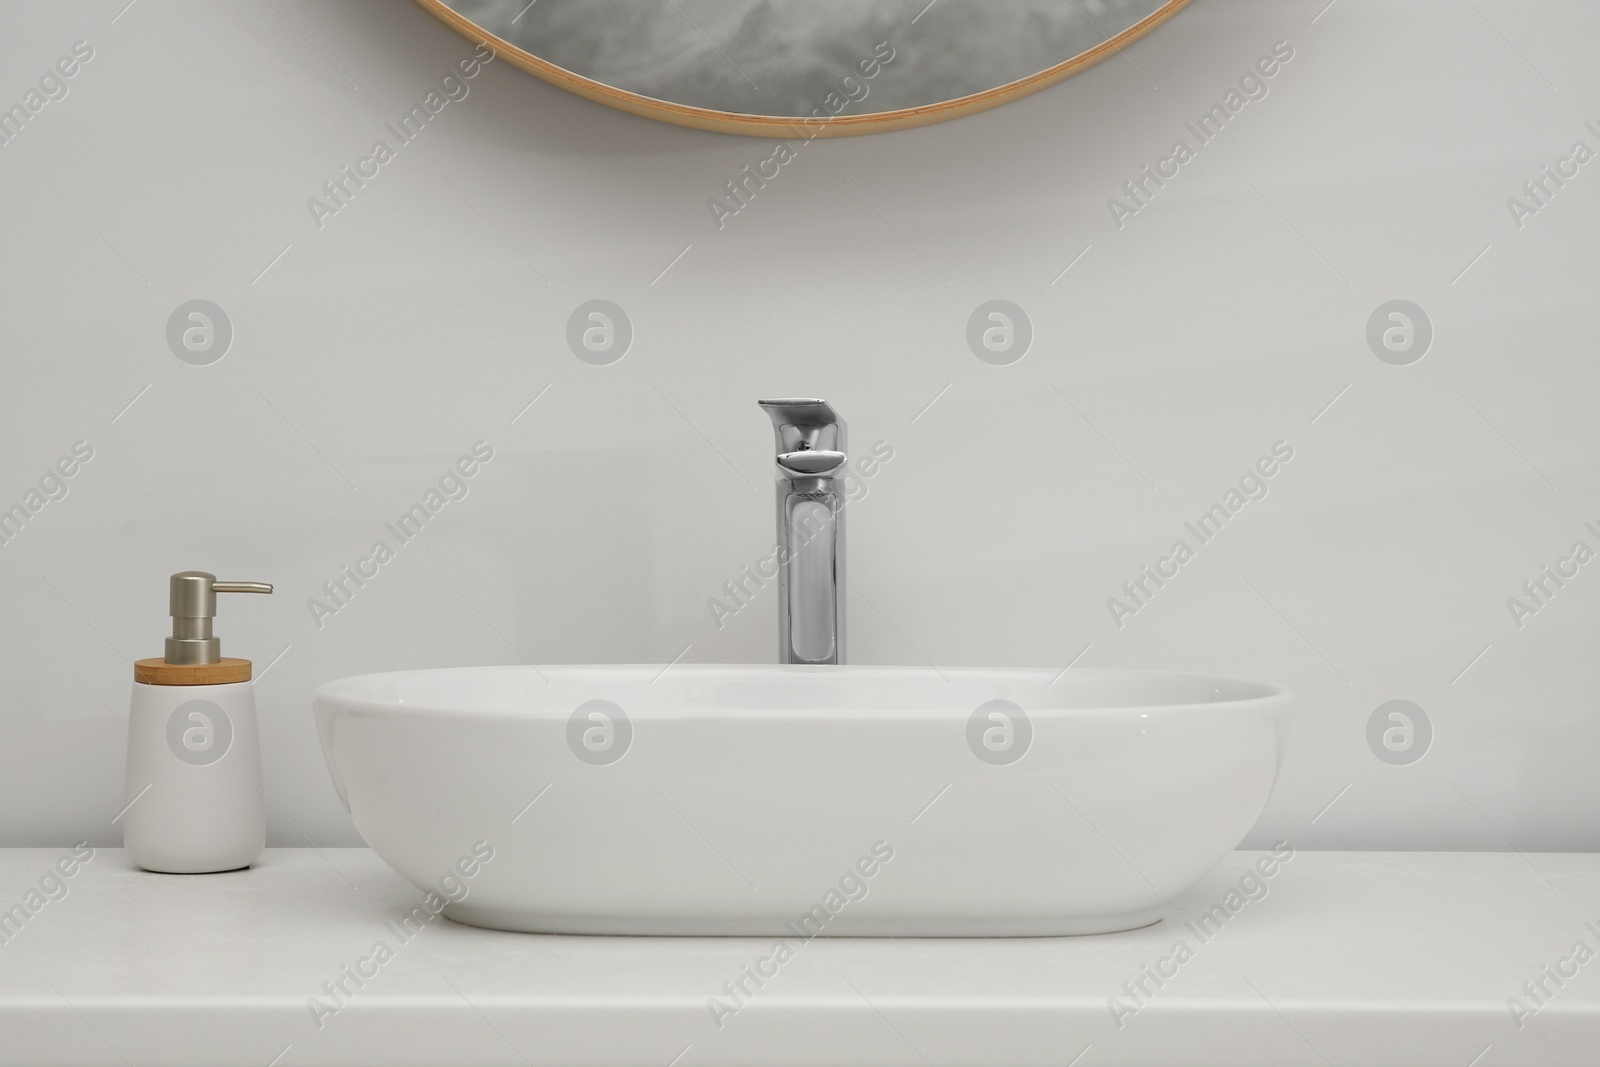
(194, 800)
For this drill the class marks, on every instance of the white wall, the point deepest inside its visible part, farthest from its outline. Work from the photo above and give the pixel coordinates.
(1220, 319)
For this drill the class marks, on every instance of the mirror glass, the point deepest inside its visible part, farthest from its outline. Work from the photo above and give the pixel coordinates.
(830, 59)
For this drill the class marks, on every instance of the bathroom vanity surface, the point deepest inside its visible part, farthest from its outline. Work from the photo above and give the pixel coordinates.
(1335, 958)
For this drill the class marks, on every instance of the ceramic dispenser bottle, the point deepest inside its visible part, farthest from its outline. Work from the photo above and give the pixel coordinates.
(194, 757)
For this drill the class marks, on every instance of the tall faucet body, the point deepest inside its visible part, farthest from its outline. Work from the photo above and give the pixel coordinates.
(811, 467)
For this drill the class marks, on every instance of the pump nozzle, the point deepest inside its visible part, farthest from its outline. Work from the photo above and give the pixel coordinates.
(193, 606)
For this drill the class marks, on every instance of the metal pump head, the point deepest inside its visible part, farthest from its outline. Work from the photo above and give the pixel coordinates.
(194, 605)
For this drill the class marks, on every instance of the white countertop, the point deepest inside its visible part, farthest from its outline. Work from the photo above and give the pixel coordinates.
(1349, 958)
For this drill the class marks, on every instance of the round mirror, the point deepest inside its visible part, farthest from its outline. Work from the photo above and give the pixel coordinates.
(806, 67)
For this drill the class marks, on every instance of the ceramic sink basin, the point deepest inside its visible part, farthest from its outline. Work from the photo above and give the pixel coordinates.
(801, 800)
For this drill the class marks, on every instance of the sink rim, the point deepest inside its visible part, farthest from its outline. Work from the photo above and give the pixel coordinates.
(356, 692)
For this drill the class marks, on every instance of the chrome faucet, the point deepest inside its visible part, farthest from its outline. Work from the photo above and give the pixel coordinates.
(811, 496)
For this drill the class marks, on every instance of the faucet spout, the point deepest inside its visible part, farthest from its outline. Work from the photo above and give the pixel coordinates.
(811, 466)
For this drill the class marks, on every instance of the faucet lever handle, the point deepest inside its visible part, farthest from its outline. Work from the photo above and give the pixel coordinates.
(812, 463)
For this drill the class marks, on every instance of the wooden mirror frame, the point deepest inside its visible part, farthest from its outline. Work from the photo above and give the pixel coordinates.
(801, 126)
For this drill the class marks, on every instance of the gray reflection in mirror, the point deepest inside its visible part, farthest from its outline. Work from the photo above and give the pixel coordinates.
(785, 57)
(811, 576)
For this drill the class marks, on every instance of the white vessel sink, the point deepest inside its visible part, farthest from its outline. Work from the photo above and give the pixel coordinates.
(799, 800)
